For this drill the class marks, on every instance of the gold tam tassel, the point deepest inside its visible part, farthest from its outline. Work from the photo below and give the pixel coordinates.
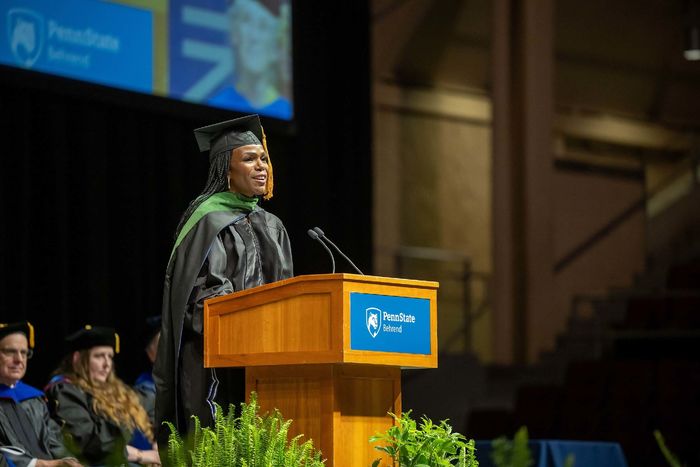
(31, 335)
(270, 179)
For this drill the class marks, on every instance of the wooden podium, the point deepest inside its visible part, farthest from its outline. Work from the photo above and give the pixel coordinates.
(327, 351)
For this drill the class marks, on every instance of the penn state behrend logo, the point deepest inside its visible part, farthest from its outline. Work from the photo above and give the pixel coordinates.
(373, 320)
(26, 35)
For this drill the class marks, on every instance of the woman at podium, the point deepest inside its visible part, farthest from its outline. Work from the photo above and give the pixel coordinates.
(224, 242)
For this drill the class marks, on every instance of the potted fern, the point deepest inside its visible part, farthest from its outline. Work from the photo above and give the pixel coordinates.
(250, 440)
(427, 444)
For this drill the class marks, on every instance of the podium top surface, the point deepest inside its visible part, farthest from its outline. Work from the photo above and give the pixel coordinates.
(337, 277)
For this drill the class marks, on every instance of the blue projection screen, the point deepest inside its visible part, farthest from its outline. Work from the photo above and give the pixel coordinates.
(232, 54)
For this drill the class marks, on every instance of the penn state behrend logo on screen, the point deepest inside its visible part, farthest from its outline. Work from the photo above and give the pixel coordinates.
(26, 33)
(373, 319)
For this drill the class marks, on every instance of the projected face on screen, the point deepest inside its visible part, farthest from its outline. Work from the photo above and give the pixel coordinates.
(259, 38)
(233, 54)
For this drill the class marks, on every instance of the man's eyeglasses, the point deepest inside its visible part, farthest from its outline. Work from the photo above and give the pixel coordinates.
(25, 354)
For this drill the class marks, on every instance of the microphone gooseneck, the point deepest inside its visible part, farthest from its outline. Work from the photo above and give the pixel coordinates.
(322, 235)
(316, 237)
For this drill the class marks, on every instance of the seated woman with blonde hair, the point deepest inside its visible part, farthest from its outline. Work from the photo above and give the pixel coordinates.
(101, 416)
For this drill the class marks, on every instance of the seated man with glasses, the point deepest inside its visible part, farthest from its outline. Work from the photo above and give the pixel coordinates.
(25, 424)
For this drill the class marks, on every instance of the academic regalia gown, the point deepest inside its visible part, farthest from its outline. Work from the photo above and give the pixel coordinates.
(98, 440)
(25, 423)
(226, 250)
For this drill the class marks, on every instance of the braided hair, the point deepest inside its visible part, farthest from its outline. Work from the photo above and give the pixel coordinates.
(217, 181)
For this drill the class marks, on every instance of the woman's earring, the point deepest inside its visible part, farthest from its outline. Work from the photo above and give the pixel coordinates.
(228, 181)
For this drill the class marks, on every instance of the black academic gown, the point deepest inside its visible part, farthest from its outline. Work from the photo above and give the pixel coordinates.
(25, 423)
(96, 439)
(225, 251)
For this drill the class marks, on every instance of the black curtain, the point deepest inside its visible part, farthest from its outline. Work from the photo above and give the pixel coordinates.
(94, 181)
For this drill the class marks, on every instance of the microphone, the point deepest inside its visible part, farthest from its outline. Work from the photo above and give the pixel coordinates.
(320, 233)
(315, 236)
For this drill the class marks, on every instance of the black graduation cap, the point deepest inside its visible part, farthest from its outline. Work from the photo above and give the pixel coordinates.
(231, 134)
(25, 327)
(92, 336)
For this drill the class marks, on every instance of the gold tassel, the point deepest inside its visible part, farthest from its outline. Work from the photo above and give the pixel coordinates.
(116, 343)
(31, 335)
(270, 179)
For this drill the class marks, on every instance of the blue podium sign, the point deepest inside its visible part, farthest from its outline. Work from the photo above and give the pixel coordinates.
(386, 323)
(93, 41)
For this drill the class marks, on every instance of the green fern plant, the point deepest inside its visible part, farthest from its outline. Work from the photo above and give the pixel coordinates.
(250, 440)
(514, 453)
(427, 444)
